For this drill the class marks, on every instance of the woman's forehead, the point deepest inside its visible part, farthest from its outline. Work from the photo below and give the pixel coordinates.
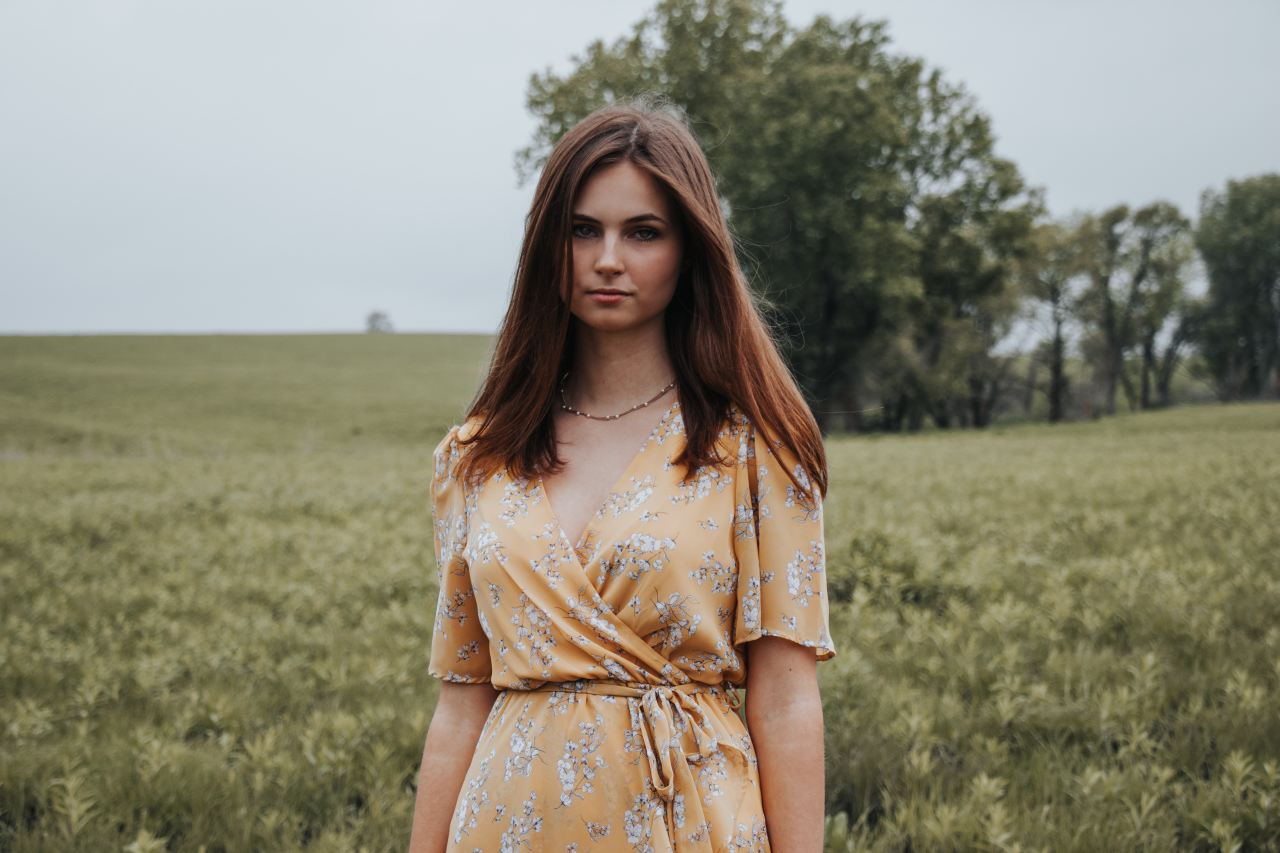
(620, 191)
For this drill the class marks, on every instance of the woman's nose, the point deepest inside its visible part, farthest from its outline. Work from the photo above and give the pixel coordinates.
(609, 261)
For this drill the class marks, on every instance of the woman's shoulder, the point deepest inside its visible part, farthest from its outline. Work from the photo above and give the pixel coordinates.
(735, 418)
(450, 447)
(738, 425)
(752, 439)
(469, 427)
(737, 434)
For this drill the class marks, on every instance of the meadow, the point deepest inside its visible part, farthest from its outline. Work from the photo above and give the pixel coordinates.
(215, 557)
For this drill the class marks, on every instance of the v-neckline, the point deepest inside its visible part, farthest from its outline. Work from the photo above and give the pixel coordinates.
(575, 547)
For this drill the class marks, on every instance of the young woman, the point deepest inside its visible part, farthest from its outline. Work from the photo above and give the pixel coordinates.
(628, 526)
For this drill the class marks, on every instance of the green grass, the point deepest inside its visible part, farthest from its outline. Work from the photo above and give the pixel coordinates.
(215, 556)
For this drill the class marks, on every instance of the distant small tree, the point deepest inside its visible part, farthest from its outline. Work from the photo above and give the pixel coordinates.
(378, 323)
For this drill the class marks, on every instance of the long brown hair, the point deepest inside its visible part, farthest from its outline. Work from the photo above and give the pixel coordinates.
(722, 350)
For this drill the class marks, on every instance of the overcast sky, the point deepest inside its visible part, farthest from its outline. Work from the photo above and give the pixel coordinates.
(281, 165)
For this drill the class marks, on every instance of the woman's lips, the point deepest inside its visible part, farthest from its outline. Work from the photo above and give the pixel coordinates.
(602, 298)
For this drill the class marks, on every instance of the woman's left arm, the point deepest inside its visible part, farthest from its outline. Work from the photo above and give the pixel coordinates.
(783, 712)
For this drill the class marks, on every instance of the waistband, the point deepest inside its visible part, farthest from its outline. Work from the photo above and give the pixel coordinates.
(639, 689)
(668, 716)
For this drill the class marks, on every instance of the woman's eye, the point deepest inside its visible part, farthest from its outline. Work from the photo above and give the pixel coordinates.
(644, 235)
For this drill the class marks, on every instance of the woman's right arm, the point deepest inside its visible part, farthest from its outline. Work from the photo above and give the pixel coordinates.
(452, 735)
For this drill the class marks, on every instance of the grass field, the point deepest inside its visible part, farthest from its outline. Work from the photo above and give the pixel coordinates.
(215, 556)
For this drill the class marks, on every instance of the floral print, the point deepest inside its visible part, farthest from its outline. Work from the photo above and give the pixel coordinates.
(617, 727)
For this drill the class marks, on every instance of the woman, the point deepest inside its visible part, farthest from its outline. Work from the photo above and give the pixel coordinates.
(597, 606)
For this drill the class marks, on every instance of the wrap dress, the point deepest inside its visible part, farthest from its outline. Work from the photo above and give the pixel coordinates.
(617, 728)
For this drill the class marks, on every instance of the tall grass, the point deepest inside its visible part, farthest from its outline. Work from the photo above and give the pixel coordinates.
(217, 595)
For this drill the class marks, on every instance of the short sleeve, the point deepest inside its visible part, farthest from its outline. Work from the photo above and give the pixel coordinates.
(780, 550)
(459, 645)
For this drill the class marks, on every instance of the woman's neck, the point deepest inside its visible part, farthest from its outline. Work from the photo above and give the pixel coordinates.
(615, 370)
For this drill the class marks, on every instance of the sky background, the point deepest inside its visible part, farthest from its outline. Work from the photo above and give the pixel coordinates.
(279, 165)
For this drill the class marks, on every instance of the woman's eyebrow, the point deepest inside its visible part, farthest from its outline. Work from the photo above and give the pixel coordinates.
(639, 218)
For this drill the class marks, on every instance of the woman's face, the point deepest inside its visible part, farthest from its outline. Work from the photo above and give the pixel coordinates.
(626, 249)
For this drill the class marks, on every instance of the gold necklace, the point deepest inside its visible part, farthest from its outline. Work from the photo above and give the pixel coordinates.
(564, 404)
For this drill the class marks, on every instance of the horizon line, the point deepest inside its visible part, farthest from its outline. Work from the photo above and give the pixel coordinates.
(16, 334)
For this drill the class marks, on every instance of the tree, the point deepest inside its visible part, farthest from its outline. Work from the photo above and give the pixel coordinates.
(1049, 277)
(1100, 240)
(820, 188)
(1134, 261)
(1239, 238)
(1190, 316)
(378, 323)
(1164, 250)
(971, 238)
(838, 163)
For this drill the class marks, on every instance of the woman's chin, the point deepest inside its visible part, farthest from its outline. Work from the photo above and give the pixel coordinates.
(608, 319)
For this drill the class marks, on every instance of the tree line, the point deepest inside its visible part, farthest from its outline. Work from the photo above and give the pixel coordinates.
(914, 275)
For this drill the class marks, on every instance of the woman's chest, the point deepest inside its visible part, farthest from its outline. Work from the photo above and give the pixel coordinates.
(653, 535)
(594, 456)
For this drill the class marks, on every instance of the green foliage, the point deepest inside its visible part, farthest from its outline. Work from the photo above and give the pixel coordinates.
(1239, 239)
(870, 209)
(1135, 264)
(215, 557)
(895, 251)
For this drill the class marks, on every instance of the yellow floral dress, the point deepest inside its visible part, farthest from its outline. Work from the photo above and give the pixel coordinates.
(618, 726)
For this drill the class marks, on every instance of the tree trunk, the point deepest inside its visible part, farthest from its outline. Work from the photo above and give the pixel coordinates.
(1273, 304)
(1029, 389)
(989, 402)
(852, 404)
(1126, 382)
(1057, 372)
(896, 411)
(941, 414)
(915, 414)
(1148, 362)
(1166, 365)
(1115, 357)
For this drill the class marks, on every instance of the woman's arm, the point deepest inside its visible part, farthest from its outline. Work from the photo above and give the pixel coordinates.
(451, 742)
(784, 715)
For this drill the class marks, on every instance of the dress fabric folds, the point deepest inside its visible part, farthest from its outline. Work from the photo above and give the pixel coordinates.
(617, 728)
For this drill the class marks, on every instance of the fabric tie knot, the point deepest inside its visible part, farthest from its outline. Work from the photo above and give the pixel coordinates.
(666, 713)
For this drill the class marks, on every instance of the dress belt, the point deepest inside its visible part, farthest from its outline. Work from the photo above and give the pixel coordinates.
(668, 711)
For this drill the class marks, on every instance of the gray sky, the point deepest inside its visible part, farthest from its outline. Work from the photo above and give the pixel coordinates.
(225, 165)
